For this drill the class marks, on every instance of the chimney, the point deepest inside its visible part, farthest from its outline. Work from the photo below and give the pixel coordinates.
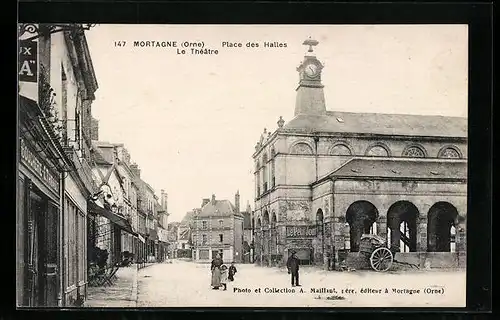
(94, 129)
(204, 202)
(164, 200)
(249, 208)
(213, 199)
(237, 201)
(135, 170)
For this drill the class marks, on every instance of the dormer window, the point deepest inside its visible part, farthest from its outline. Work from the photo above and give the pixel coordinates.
(340, 120)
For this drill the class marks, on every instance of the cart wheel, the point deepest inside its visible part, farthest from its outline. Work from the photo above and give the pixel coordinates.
(381, 259)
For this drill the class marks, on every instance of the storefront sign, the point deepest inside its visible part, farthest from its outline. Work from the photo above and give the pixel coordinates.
(43, 172)
(300, 231)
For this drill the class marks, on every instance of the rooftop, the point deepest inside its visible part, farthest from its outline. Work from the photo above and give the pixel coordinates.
(409, 169)
(218, 208)
(380, 123)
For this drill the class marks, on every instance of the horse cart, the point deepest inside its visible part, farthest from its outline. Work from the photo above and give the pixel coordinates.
(380, 255)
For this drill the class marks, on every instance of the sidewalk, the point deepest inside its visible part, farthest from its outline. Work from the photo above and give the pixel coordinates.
(123, 292)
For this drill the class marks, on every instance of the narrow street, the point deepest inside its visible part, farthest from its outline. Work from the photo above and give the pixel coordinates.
(187, 284)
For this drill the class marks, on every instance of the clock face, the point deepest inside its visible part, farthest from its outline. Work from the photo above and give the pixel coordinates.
(311, 70)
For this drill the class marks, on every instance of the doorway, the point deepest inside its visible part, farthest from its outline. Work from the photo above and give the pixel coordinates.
(42, 225)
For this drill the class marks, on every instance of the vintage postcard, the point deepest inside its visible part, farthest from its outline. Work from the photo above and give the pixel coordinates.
(242, 165)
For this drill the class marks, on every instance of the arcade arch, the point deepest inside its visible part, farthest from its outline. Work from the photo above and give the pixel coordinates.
(402, 218)
(442, 221)
(361, 215)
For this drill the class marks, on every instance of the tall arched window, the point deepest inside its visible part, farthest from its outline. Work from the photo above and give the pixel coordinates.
(265, 173)
(273, 167)
(257, 179)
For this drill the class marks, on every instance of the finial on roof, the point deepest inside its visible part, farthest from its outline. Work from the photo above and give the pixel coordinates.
(281, 122)
(311, 43)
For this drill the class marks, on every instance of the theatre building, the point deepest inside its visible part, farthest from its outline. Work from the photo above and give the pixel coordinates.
(326, 177)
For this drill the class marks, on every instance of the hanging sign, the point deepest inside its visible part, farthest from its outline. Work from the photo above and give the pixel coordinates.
(28, 61)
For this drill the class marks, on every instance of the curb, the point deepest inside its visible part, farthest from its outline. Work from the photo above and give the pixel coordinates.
(133, 293)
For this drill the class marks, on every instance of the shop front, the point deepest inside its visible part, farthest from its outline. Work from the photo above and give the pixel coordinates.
(38, 211)
(301, 240)
(105, 238)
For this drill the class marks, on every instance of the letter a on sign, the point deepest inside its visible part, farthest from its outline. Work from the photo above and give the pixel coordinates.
(28, 61)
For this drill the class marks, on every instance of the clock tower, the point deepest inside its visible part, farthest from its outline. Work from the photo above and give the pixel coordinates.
(310, 96)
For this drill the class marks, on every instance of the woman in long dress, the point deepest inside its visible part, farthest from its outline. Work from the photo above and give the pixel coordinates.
(216, 274)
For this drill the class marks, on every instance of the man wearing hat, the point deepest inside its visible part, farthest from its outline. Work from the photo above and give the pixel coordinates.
(293, 268)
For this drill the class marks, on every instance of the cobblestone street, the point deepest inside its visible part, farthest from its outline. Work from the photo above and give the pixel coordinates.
(187, 284)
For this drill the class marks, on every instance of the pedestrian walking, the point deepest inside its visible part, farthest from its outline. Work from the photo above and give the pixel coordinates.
(216, 274)
(232, 272)
(224, 276)
(293, 268)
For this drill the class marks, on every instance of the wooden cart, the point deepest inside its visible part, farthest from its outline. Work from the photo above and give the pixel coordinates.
(376, 250)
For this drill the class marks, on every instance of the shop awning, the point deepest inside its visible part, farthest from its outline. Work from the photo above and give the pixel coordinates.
(114, 218)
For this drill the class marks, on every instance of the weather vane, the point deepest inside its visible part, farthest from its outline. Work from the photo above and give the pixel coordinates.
(310, 42)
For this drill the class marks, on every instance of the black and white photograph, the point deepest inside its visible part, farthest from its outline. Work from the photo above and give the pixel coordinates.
(164, 165)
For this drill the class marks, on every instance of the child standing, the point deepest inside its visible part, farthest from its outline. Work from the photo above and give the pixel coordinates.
(223, 276)
(232, 272)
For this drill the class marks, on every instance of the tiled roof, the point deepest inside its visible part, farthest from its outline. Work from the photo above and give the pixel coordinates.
(412, 169)
(218, 208)
(380, 123)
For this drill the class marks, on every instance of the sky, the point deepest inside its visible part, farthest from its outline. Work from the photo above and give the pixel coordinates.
(191, 121)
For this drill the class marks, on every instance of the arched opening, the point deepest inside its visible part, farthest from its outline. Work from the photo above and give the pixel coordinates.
(360, 216)
(402, 219)
(442, 220)
(265, 173)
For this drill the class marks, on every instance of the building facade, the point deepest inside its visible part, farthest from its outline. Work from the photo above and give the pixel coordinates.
(148, 218)
(162, 225)
(325, 178)
(56, 89)
(248, 232)
(218, 229)
(173, 235)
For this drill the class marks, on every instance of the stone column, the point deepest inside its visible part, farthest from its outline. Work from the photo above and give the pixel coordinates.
(422, 234)
(382, 227)
(282, 244)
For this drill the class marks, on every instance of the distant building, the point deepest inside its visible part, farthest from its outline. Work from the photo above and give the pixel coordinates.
(162, 225)
(218, 228)
(247, 234)
(173, 235)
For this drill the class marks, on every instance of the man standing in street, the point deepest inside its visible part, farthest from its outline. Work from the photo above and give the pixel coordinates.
(293, 268)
